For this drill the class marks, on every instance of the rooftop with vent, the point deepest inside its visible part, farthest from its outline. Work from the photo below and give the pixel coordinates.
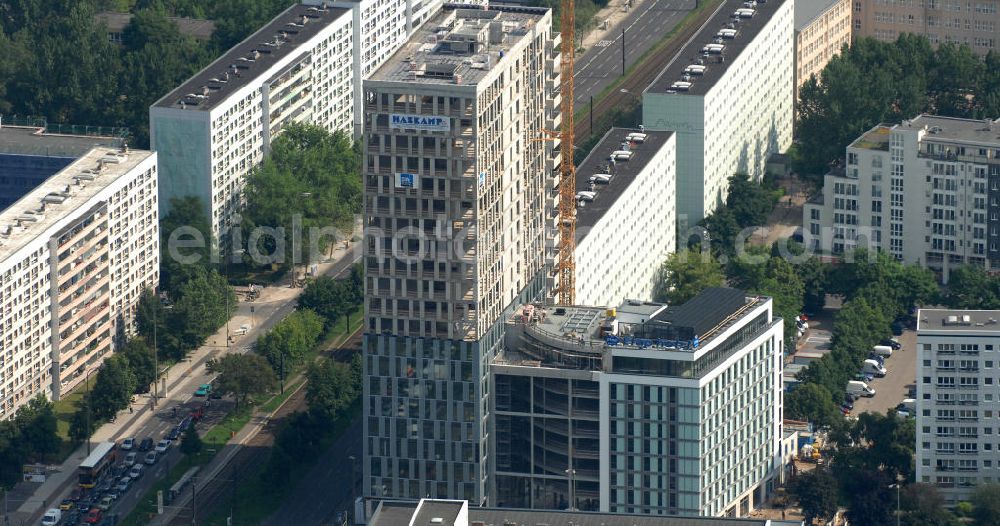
(460, 45)
(252, 58)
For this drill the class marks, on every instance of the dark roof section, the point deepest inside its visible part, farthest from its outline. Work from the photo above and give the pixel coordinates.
(706, 310)
(396, 513)
(625, 173)
(237, 58)
(747, 29)
(39, 140)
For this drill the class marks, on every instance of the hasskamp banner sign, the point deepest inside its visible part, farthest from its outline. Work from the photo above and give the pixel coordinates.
(403, 121)
(405, 180)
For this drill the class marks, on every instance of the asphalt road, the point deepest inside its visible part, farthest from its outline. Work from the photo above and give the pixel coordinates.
(600, 65)
(180, 394)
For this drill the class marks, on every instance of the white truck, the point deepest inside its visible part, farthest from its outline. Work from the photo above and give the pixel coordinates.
(859, 388)
(52, 517)
(874, 368)
(882, 350)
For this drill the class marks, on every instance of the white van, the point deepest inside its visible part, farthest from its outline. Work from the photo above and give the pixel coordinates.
(882, 350)
(52, 517)
(859, 388)
(873, 367)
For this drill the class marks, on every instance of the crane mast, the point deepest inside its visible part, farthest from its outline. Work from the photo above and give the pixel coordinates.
(566, 266)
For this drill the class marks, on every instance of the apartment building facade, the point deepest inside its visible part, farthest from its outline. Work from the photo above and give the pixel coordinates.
(822, 28)
(458, 229)
(958, 400)
(76, 252)
(626, 215)
(972, 23)
(643, 409)
(728, 97)
(217, 126)
(924, 190)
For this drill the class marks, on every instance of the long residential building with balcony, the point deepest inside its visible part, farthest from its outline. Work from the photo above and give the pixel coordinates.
(926, 190)
(958, 400)
(728, 97)
(972, 23)
(217, 126)
(646, 408)
(76, 252)
(459, 228)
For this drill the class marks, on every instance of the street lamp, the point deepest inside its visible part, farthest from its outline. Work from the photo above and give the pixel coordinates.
(897, 485)
(89, 408)
(572, 489)
(353, 475)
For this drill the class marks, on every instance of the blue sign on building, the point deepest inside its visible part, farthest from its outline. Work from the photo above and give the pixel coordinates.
(402, 121)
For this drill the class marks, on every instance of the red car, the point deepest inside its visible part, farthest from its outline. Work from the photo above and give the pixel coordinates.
(94, 516)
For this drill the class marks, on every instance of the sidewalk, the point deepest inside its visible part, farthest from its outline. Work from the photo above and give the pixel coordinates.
(274, 303)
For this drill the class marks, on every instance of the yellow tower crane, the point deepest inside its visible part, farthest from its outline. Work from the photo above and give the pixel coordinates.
(566, 266)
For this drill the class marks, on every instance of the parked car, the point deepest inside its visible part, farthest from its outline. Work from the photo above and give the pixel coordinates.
(892, 342)
(130, 459)
(124, 484)
(67, 504)
(146, 444)
(848, 402)
(882, 350)
(908, 407)
(94, 516)
(127, 444)
(203, 390)
(174, 434)
(877, 357)
(151, 458)
(163, 445)
(106, 503)
(136, 472)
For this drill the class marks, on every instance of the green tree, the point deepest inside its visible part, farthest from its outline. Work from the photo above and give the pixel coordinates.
(330, 389)
(191, 443)
(685, 274)
(11, 455)
(814, 274)
(139, 357)
(290, 339)
(970, 287)
(113, 389)
(986, 505)
(36, 426)
(814, 403)
(816, 492)
(187, 222)
(922, 505)
(783, 285)
(312, 176)
(243, 376)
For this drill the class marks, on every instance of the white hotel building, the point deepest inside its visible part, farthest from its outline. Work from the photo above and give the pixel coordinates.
(627, 228)
(217, 126)
(926, 191)
(643, 409)
(76, 252)
(728, 95)
(958, 400)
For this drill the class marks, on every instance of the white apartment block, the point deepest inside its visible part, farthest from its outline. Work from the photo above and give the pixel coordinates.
(728, 97)
(924, 191)
(459, 226)
(643, 409)
(626, 215)
(958, 400)
(217, 126)
(76, 252)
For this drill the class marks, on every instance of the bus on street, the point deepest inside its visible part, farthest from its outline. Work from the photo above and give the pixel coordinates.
(101, 458)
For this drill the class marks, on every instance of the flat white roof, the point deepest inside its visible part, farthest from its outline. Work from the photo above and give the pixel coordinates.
(13, 237)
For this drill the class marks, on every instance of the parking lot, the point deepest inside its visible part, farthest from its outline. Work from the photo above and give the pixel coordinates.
(902, 371)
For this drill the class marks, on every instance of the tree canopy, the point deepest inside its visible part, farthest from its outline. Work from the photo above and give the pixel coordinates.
(685, 274)
(871, 82)
(243, 376)
(58, 62)
(312, 176)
